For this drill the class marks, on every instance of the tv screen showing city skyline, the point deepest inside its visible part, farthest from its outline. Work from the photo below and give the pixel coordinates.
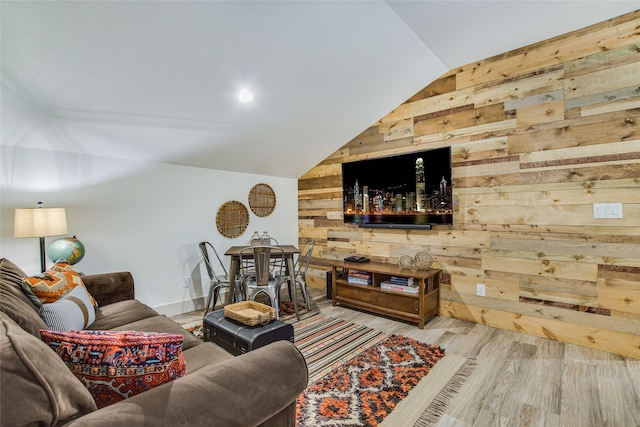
(409, 189)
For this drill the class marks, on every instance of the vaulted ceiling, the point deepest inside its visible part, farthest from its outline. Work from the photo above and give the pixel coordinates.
(159, 80)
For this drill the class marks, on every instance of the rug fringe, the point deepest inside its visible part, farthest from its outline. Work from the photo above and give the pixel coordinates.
(439, 404)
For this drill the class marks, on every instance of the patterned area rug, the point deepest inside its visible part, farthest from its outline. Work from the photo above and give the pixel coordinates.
(360, 376)
(364, 390)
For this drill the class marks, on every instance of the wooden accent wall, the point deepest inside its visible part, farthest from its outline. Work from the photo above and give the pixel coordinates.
(538, 135)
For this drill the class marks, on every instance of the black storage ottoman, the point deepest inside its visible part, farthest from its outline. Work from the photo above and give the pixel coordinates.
(238, 338)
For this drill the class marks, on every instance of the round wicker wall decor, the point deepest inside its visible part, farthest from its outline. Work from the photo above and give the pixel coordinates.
(232, 219)
(262, 199)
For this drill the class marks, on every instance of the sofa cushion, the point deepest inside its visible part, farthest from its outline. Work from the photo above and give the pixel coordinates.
(71, 312)
(37, 388)
(203, 355)
(121, 313)
(161, 323)
(52, 285)
(115, 365)
(14, 302)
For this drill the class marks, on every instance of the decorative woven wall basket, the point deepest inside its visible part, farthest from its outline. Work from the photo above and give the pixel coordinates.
(262, 199)
(232, 219)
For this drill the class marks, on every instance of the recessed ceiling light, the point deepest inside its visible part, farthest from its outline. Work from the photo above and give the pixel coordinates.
(245, 96)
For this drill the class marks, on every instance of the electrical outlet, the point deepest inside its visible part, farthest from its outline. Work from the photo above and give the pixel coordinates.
(480, 289)
(186, 281)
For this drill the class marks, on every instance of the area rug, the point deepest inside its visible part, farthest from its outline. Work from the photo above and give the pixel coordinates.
(359, 376)
(366, 389)
(327, 342)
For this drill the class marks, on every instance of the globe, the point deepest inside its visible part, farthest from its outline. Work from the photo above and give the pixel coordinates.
(68, 249)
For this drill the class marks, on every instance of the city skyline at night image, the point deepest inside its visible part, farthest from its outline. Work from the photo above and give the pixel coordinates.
(411, 189)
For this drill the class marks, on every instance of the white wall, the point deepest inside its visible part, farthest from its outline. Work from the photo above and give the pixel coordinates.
(138, 217)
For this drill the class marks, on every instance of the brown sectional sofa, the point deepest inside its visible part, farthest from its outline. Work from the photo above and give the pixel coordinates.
(36, 387)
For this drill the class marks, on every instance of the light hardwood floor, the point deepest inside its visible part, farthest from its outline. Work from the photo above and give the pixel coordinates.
(521, 380)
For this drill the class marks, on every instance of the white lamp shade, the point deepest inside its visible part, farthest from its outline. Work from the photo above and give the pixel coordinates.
(40, 222)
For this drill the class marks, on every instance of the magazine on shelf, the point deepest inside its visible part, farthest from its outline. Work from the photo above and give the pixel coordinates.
(359, 277)
(402, 280)
(390, 286)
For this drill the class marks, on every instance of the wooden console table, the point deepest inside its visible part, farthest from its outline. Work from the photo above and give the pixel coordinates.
(417, 308)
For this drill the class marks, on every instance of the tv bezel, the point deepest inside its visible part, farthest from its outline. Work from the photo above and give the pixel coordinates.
(385, 220)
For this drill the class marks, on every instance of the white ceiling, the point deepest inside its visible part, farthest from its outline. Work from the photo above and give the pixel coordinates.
(158, 80)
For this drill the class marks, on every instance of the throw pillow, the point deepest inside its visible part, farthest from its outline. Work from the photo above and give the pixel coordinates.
(62, 266)
(115, 365)
(71, 312)
(52, 285)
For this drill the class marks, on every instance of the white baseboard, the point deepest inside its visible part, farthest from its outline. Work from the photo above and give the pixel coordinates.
(187, 305)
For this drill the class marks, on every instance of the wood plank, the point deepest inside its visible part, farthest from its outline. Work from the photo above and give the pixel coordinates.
(584, 175)
(596, 338)
(465, 134)
(520, 88)
(610, 58)
(564, 250)
(323, 171)
(320, 204)
(578, 302)
(439, 103)
(597, 99)
(620, 299)
(549, 284)
(537, 99)
(603, 81)
(442, 85)
(321, 182)
(541, 197)
(460, 119)
(548, 215)
(625, 150)
(397, 130)
(576, 136)
(593, 319)
(481, 149)
(580, 44)
(501, 289)
(612, 105)
(541, 267)
(542, 113)
(598, 184)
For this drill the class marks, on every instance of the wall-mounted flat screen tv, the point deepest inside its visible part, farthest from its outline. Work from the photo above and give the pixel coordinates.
(403, 191)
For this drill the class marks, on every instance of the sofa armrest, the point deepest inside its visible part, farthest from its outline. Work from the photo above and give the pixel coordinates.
(242, 391)
(108, 288)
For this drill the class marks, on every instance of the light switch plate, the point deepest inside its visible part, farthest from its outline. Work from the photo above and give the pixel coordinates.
(607, 210)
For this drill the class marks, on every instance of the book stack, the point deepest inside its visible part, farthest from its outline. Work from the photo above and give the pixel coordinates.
(405, 281)
(400, 284)
(359, 277)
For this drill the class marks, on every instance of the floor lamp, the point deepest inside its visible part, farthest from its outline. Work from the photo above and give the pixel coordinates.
(40, 222)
